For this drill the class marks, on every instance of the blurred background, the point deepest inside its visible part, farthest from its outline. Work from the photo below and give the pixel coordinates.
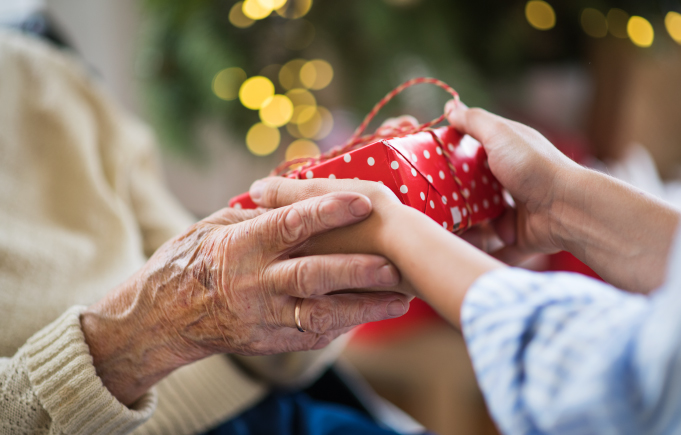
(233, 88)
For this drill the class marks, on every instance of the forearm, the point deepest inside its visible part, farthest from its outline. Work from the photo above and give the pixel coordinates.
(622, 233)
(440, 265)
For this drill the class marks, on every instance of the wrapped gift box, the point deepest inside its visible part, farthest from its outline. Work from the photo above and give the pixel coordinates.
(439, 172)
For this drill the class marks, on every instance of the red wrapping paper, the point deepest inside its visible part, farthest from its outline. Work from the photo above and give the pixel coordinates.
(439, 172)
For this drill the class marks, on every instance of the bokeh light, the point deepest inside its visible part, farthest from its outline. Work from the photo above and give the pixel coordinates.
(295, 9)
(237, 17)
(302, 148)
(255, 10)
(301, 99)
(316, 74)
(262, 140)
(540, 15)
(272, 4)
(594, 23)
(327, 123)
(276, 111)
(227, 82)
(640, 31)
(672, 22)
(318, 124)
(289, 74)
(255, 91)
(617, 23)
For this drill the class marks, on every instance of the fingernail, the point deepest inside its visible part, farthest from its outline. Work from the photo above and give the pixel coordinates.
(360, 207)
(256, 190)
(387, 275)
(396, 308)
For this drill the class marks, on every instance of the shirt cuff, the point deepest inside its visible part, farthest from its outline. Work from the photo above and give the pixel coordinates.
(63, 377)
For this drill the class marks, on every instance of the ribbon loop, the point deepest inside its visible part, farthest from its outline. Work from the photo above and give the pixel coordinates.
(357, 140)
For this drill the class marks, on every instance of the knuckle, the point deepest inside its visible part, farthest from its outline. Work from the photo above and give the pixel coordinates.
(364, 313)
(291, 224)
(306, 277)
(386, 192)
(358, 271)
(321, 317)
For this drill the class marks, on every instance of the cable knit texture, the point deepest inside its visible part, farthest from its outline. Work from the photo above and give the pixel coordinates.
(82, 205)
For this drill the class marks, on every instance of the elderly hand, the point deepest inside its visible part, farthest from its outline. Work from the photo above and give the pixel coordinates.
(369, 237)
(229, 284)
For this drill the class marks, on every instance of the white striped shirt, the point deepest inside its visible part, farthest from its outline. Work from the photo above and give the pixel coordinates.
(560, 353)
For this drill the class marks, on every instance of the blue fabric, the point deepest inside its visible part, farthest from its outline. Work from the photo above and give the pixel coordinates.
(562, 354)
(299, 414)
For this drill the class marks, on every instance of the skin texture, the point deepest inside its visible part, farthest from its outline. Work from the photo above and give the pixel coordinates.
(558, 206)
(229, 284)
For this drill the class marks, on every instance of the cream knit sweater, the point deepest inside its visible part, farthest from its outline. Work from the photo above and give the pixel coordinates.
(82, 205)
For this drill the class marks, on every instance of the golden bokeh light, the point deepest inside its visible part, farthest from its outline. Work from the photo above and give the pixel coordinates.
(327, 123)
(302, 148)
(617, 23)
(295, 9)
(318, 124)
(262, 140)
(254, 10)
(255, 91)
(316, 74)
(312, 124)
(272, 4)
(276, 111)
(289, 74)
(293, 130)
(640, 31)
(227, 82)
(301, 99)
(594, 23)
(540, 15)
(237, 17)
(672, 21)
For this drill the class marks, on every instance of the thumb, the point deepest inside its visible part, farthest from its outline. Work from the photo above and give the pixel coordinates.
(475, 122)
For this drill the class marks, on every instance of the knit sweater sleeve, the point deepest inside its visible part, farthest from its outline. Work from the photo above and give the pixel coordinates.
(50, 386)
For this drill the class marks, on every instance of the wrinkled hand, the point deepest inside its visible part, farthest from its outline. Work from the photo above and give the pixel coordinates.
(533, 171)
(367, 237)
(229, 285)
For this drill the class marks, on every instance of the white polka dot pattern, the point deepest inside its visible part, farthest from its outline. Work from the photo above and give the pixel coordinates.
(430, 171)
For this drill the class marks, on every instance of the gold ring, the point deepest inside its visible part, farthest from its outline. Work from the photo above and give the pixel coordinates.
(296, 314)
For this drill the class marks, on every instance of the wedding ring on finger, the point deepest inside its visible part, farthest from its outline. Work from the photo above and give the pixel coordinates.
(296, 314)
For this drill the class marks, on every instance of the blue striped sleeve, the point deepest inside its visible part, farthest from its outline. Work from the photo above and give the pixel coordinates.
(560, 353)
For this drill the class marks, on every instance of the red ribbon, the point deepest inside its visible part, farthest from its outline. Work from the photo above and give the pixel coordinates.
(357, 140)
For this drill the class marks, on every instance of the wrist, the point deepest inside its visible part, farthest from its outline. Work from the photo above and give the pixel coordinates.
(131, 351)
(567, 209)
